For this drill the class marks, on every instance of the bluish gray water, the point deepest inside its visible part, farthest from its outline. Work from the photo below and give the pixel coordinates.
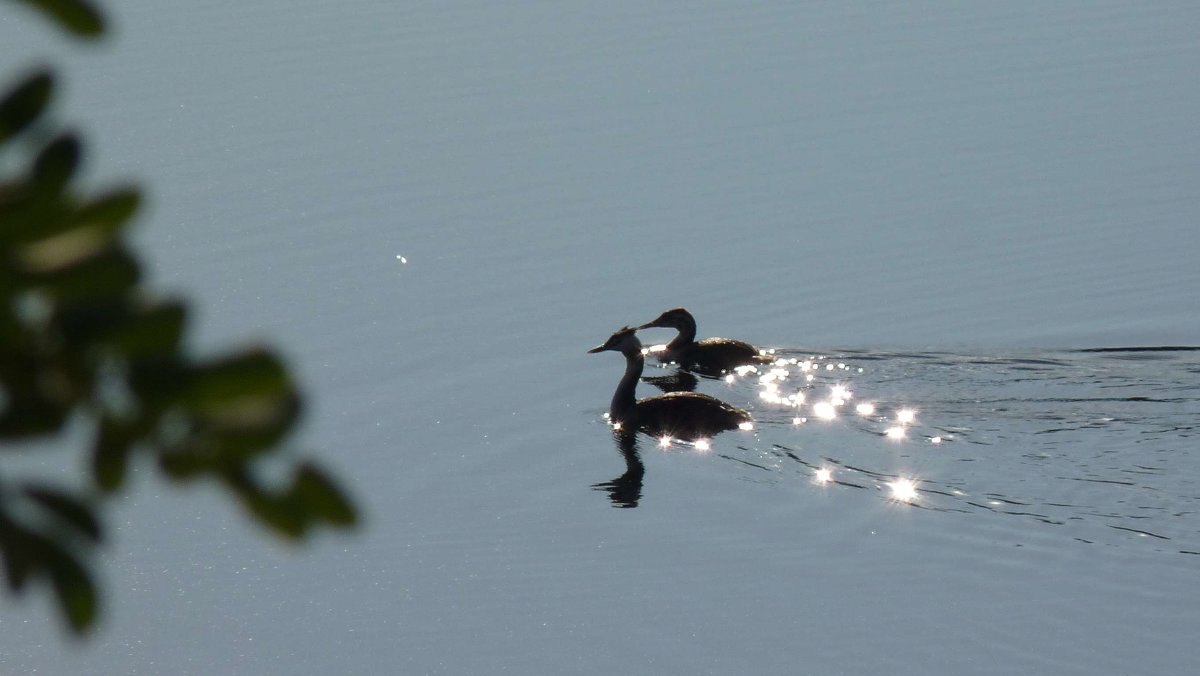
(951, 198)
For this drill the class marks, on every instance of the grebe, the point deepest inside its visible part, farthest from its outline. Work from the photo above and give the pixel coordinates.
(710, 356)
(679, 415)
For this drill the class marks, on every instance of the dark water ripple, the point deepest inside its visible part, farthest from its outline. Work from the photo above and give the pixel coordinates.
(1097, 443)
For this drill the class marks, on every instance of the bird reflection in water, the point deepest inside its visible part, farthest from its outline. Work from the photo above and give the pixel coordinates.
(626, 490)
(679, 381)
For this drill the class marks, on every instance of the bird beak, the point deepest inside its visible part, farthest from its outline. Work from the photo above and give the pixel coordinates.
(650, 325)
(594, 350)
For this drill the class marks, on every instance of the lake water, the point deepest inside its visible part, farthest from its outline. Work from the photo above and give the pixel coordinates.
(937, 207)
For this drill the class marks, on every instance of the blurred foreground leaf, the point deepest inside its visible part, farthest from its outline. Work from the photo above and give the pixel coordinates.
(24, 104)
(76, 16)
(82, 341)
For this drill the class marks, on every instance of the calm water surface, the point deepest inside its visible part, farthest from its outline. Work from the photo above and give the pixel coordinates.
(933, 206)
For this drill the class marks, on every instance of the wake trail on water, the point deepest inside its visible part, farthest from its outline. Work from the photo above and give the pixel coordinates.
(1096, 442)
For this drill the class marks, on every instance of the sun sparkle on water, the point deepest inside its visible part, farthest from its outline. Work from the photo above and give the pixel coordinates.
(823, 475)
(904, 490)
(894, 432)
(906, 415)
(824, 410)
(746, 426)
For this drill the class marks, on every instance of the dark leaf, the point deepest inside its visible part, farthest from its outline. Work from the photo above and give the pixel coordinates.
(17, 564)
(55, 165)
(241, 404)
(153, 330)
(22, 106)
(76, 16)
(243, 426)
(255, 372)
(29, 412)
(30, 220)
(111, 211)
(157, 381)
(278, 513)
(27, 217)
(37, 554)
(185, 464)
(80, 324)
(319, 494)
(76, 593)
(67, 508)
(102, 274)
(110, 457)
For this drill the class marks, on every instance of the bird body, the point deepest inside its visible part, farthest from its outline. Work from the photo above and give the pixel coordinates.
(710, 356)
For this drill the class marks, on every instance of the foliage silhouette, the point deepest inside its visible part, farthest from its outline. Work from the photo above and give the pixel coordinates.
(82, 341)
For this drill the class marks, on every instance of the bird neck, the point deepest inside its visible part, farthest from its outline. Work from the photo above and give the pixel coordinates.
(686, 336)
(624, 399)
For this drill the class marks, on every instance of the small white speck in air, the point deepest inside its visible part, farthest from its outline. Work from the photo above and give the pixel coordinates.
(402, 259)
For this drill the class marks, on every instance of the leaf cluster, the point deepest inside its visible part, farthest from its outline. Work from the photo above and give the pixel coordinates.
(81, 338)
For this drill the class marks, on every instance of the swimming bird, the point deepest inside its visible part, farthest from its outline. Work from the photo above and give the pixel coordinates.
(679, 415)
(710, 356)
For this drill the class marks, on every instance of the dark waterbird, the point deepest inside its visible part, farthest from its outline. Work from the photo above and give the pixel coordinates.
(679, 415)
(710, 356)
